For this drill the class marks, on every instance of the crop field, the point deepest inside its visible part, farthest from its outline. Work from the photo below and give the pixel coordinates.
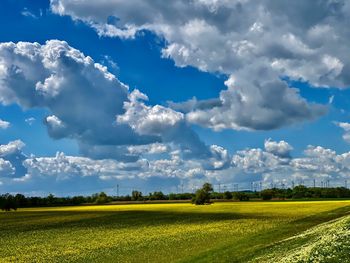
(222, 232)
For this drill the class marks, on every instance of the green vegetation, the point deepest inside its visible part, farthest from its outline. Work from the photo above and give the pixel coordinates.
(202, 196)
(327, 242)
(221, 232)
(8, 202)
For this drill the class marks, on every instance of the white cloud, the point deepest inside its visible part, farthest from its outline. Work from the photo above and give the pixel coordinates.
(281, 148)
(85, 101)
(165, 123)
(26, 12)
(154, 148)
(253, 43)
(11, 148)
(346, 127)
(245, 166)
(30, 120)
(6, 168)
(147, 120)
(4, 124)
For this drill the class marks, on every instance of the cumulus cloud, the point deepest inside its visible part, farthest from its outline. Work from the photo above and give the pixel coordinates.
(346, 127)
(255, 44)
(12, 158)
(6, 168)
(154, 148)
(86, 102)
(162, 122)
(254, 101)
(271, 165)
(4, 124)
(281, 148)
(12, 147)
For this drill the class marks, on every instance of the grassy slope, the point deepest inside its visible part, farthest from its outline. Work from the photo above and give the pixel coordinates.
(232, 232)
(327, 242)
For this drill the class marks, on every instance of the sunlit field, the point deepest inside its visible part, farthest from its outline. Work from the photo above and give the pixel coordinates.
(222, 232)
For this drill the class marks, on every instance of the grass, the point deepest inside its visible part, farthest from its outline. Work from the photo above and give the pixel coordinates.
(222, 232)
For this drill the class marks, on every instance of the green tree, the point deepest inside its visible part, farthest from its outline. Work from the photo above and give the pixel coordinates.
(202, 196)
(227, 195)
(136, 196)
(8, 202)
(102, 198)
(267, 194)
(156, 196)
(240, 196)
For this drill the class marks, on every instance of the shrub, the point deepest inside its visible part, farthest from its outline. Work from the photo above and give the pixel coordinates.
(202, 196)
(266, 194)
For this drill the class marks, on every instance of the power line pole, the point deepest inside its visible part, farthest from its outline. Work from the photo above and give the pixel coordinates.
(314, 183)
(117, 190)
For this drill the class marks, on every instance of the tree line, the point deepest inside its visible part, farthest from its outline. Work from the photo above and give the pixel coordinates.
(202, 196)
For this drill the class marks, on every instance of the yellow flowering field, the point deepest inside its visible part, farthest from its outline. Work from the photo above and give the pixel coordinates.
(222, 232)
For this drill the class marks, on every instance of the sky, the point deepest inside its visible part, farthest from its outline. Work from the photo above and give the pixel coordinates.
(157, 95)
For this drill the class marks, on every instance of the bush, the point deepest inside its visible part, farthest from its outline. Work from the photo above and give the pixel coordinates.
(8, 202)
(136, 196)
(227, 195)
(202, 196)
(102, 198)
(266, 194)
(241, 196)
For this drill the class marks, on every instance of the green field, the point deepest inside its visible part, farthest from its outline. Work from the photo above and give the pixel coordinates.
(222, 232)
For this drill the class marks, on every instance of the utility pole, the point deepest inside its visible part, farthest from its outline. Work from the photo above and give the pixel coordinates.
(314, 183)
(117, 190)
(182, 188)
(219, 188)
(346, 183)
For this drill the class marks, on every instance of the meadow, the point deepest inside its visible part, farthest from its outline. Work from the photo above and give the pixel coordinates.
(221, 232)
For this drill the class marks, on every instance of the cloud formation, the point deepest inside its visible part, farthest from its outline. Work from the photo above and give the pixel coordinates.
(4, 124)
(346, 127)
(88, 103)
(254, 44)
(12, 159)
(271, 166)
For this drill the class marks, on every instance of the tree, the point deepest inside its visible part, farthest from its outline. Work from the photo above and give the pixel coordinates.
(8, 202)
(240, 196)
(267, 194)
(227, 195)
(156, 196)
(102, 198)
(136, 196)
(202, 196)
(50, 199)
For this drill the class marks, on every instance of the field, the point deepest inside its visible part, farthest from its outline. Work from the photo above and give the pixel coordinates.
(222, 232)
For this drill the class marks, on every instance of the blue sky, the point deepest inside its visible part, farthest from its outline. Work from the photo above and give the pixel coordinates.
(171, 60)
